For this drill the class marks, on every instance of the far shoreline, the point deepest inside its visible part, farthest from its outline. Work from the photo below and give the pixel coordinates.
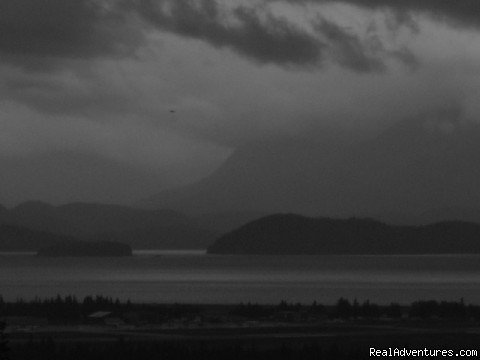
(201, 252)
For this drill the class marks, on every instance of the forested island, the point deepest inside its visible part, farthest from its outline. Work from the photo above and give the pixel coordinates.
(288, 234)
(86, 248)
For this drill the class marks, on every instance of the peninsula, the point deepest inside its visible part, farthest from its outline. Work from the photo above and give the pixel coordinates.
(288, 234)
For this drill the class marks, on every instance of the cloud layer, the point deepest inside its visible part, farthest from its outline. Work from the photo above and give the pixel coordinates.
(103, 76)
(37, 33)
(459, 13)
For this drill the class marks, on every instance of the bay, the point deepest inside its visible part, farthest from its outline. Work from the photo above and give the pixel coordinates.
(197, 277)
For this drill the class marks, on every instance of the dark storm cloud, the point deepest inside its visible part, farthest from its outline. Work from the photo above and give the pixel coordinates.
(259, 35)
(49, 35)
(350, 51)
(41, 35)
(273, 40)
(36, 33)
(456, 12)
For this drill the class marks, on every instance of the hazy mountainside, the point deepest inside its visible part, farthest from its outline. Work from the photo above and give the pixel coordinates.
(137, 227)
(226, 221)
(62, 177)
(164, 237)
(409, 169)
(294, 234)
(14, 238)
(258, 178)
(83, 219)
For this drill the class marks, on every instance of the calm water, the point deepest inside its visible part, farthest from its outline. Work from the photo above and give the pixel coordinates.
(178, 276)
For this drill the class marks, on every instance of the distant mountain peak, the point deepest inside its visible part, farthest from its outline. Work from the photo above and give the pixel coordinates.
(414, 166)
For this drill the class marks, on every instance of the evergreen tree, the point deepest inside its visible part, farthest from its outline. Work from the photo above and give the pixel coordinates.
(3, 343)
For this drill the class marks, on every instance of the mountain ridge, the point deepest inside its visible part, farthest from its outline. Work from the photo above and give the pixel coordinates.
(411, 168)
(140, 228)
(17, 238)
(291, 234)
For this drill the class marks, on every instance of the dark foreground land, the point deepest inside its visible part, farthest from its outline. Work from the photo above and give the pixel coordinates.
(100, 328)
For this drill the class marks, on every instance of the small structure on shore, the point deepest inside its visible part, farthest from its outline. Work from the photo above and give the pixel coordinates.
(98, 317)
(105, 318)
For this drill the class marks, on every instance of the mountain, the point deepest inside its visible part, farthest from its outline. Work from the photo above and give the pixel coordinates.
(41, 216)
(68, 176)
(258, 178)
(176, 237)
(223, 222)
(409, 169)
(287, 234)
(86, 219)
(154, 229)
(15, 238)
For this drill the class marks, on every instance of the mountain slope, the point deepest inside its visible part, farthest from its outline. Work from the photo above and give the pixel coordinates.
(293, 235)
(409, 169)
(15, 238)
(60, 177)
(153, 229)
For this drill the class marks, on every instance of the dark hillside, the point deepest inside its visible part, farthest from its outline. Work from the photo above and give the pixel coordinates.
(15, 238)
(294, 234)
(140, 228)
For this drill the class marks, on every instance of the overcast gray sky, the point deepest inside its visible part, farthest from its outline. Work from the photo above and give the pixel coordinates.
(173, 86)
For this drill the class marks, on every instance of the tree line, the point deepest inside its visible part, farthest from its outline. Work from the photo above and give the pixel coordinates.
(69, 309)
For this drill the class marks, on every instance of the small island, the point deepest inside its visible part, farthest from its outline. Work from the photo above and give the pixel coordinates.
(290, 234)
(86, 249)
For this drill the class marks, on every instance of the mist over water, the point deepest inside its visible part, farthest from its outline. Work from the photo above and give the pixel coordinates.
(195, 277)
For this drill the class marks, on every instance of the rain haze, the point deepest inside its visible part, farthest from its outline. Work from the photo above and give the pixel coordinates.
(164, 92)
(247, 179)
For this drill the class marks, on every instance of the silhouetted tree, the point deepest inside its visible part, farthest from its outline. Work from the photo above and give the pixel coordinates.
(370, 310)
(394, 310)
(356, 312)
(317, 309)
(424, 309)
(343, 309)
(456, 310)
(3, 343)
(253, 311)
